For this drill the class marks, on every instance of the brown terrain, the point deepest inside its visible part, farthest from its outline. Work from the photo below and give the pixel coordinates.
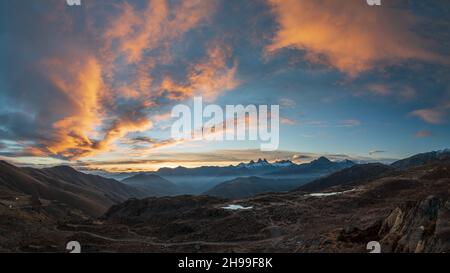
(406, 210)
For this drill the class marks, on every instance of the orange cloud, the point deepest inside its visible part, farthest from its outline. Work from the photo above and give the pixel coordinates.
(436, 115)
(82, 84)
(208, 78)
(349, 35)
(77, 133)
(423, 134)
(156, 26)
(402, 92)
(287, 121)
(106, 89)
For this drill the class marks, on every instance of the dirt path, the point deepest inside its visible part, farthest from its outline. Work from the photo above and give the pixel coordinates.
(177, 244)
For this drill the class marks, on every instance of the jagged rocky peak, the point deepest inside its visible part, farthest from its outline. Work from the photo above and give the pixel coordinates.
(283, 163)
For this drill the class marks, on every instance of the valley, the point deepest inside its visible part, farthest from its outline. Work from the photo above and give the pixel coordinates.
(406, 209)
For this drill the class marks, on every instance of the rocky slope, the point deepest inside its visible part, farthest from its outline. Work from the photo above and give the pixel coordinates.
(406, 211)
(350, 177)
(89, 193)
(244, 187)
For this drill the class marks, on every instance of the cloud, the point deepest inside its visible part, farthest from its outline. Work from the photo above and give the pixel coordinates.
(213, 158)
(82, 85)
(350, 35)
(423, 134)
(156, 26)
(436, 115)
(350, 123)
(375, 152)
(148, 143)
(90, 85)
(314, 123)
(287, 102)
(403, 92)
(379, 89)
(287, 121)
(208, 78)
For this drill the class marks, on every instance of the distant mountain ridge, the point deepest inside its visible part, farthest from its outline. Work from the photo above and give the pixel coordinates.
(89, 193)
(320, 165)
(356, 174)
(244, 187)
(153, 185)
(243, 169)
(406, 210)
(261, 167)
(421, 159)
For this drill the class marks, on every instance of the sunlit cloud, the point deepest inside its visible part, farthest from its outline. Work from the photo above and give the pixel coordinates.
(424, 134)
(96, 84)
(214, 158)
(375, 152)
(350, 35)
(402, 92)
(436, 115)
(137, 31)
(207, 78)
(98, 94)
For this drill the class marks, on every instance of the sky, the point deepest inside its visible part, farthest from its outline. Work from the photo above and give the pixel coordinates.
(93, 85)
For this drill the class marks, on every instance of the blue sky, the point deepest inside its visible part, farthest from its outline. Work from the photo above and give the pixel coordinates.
(93, 86)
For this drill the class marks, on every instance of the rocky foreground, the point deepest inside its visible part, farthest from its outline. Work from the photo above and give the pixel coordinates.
(406, 211)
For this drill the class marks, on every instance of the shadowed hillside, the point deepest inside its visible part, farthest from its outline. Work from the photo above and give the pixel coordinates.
(88, 193)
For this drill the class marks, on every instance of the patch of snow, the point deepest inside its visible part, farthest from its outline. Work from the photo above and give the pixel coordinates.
(324, 194)
(237, 207)
(445, 151)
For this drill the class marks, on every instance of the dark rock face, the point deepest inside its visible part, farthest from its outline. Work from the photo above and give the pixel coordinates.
(418, 227)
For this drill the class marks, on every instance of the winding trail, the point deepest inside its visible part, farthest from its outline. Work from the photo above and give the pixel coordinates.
(145, 241)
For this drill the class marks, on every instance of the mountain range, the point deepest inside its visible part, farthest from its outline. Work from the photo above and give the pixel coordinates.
(404, 206)
(406, 210)
(153, 185)
(260, 167)
(321, 165)
(244, 187)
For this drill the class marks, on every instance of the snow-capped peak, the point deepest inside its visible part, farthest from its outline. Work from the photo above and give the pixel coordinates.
(283, 163)
(253, 164)
(265, 163)
(445, 151)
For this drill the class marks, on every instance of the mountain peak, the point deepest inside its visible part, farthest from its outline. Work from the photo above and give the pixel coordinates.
(3, 162)
(322, 159)
(253, 164)
(444, 151)
(64, 168)
(283, 163)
